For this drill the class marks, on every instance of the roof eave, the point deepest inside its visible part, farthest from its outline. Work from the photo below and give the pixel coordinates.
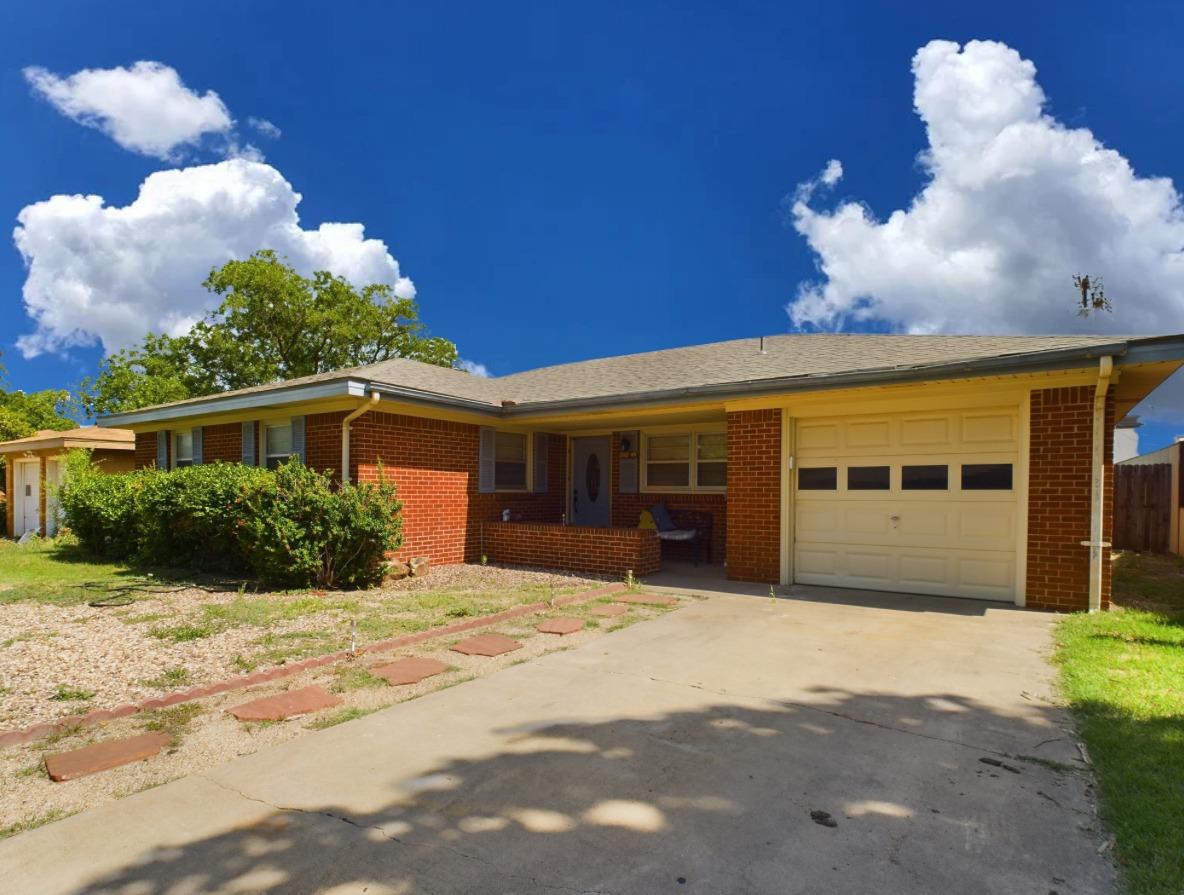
(337, 388)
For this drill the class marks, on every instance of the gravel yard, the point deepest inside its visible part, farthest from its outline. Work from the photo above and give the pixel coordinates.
(60, 660)
(205, 735)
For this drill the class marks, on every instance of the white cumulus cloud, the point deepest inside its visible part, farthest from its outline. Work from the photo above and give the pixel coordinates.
(1014, 204)
(145, 108)
(98, 273)
(265, 127)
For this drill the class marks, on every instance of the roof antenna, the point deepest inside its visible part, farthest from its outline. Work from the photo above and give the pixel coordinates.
(762, 344)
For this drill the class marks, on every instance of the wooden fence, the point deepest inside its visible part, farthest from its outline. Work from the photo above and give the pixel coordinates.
(1143, 507)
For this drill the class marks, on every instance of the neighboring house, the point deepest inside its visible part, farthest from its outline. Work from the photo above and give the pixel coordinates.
(951, 465)
(34, 465)
(1126, 438)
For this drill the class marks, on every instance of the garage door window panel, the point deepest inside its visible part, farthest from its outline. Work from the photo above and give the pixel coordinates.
(929, 477)
(986, 477)
(869, 478)
(818, 478)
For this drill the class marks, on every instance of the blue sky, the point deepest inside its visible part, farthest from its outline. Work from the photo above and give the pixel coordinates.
(565, 181)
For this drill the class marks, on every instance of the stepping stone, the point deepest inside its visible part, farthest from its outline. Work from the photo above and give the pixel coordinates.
(104, 756)
(411, 670)
(559, 626)
(487, 645)
(609, 610)
(646, 599)
(285, 705)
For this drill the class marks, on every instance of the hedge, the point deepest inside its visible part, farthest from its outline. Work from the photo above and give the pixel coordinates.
(291, 526)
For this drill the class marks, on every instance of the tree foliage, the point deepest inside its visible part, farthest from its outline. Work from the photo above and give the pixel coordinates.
(23, 413)
(271, 324)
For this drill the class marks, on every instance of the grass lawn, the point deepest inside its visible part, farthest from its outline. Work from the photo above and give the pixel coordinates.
(54, 572)
(1123, 674)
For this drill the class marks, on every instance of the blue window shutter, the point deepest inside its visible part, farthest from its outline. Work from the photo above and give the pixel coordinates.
(542, 442)
(249, 444)
(298, 439)
(197, 445)
(162, 449)
(485, 470)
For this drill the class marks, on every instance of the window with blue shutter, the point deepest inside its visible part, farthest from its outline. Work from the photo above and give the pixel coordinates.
(197, 430)
(249, 444)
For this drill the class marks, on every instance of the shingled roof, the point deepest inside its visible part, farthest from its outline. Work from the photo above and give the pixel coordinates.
(718, 366)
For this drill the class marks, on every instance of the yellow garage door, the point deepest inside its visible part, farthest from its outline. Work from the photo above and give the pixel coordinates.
(911, 502)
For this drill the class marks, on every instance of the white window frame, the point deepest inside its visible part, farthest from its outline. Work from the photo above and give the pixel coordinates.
(692, 433)
(176, 458)
(528, 485)
(266, 457)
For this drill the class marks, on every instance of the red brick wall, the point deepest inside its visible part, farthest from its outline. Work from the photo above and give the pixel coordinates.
(223, 443)
(145, 449)
(593, 551)
(754, 495)
(1059, 489)
(434, 466)
(322, 442)
(626, 508)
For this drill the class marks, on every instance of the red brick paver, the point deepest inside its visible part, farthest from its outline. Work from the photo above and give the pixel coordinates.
(104, 756)
(285, 705)
(559, 626)
(609, 610)
(487, 645)
(646, 599)
(411, 670)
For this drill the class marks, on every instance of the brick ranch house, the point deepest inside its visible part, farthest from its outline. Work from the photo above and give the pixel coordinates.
(973, 466)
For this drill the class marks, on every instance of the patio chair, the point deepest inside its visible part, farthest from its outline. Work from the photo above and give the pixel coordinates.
(682, 526)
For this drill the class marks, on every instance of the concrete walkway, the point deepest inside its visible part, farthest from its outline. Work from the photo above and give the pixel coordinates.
(682, 755)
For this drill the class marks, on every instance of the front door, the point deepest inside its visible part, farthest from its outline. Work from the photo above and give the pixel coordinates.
(27, 513)
(590, 459)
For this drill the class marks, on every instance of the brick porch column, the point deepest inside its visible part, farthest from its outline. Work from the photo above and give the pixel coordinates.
(754, 496)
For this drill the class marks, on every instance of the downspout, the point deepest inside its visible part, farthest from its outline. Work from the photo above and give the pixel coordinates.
(363, 408)
(1097, 497)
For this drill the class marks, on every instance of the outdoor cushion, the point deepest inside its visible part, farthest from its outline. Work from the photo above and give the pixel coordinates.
(662, 517)
(646, 520)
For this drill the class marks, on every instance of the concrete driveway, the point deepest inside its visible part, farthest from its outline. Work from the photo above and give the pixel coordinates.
(683, 755)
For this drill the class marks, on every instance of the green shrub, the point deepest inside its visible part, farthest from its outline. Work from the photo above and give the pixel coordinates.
(289, 527)
(298, 530)
(187, 518)
(100, 509)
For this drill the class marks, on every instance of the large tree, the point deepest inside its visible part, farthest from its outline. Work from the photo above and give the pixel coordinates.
(23, 413)
(272, 324)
